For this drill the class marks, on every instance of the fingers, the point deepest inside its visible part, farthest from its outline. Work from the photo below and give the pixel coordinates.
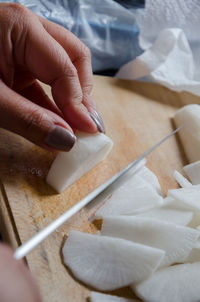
(16, 282)
(81, 59)
(77, 51)
(47, 60)
(35, 93)
(37, 124)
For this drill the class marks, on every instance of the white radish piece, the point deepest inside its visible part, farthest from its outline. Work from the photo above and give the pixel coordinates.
(190, 196)
(178, 283)
(194, 256)
(189, 118)
(134, 196)
(177, 241)
(151, 178)
(98, 297)
(107, 263)
(87, 152)
(181, 180)
(169, 215)
(193, 172)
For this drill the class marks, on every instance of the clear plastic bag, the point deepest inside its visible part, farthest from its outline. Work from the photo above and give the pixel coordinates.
(108, 28)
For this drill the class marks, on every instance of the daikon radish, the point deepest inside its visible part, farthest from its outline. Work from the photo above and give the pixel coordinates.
(190, 196)
(189, 118)
(134, 196)
(87, 152)
(151, 178)
(178, 283)
(98, 297)
(193, 172)
(181, 217)
(177, 241)
(181, 180)
(107, 263)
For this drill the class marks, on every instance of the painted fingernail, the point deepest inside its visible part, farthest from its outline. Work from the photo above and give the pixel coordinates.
(60, 139)
(98, 120)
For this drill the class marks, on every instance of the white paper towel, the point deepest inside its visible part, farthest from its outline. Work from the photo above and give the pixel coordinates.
(170, 38)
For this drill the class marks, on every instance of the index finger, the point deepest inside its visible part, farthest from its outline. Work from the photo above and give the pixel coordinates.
(78, 52)
(49, 62)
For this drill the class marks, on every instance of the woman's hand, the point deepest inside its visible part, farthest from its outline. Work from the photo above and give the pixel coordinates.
(33, 48)
(16, 283)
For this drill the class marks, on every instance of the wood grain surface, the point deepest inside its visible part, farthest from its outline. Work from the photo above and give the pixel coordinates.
(136, 116)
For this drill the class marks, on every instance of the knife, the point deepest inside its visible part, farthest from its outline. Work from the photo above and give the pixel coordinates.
(105, 189)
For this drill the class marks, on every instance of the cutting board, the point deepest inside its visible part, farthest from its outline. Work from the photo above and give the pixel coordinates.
(136, 116)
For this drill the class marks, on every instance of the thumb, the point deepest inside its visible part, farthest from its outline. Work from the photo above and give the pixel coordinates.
(37, 124)
(16, 282)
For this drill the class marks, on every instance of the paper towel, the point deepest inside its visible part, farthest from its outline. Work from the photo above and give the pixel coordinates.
(170, 39)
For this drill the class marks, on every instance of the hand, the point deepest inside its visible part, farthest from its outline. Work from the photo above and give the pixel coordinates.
(16, 283)
(34, 48)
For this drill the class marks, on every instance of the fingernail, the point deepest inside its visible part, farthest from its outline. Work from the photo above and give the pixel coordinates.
(97, 119)
(60, 138)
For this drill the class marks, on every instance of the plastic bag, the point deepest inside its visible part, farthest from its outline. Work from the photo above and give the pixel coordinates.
(109, 29)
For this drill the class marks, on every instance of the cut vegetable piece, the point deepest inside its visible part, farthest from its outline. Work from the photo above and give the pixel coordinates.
(134, 196)
(193, 172)
(178, 283)
(189, 118)
(194, 256)
(189, 196)
(169, 215)
(181, 180)
(151, 178)
(177, 241)
(98, 297)
(87, 152)
(108, 263)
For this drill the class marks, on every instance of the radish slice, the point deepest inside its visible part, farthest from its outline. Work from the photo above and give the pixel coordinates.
(134, 196)
(177, 241)
(151, 178)
(189, 118)
(181, 180)
(97, 297)
(169, 215)
(194, 256)
(190, 196)
(178, 283)
(108, 263)
(87, 152)
(193, 172)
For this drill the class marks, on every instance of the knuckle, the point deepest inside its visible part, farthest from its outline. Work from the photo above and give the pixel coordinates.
(86, 52)
(18, 8)
(71, 71)
(87, 89)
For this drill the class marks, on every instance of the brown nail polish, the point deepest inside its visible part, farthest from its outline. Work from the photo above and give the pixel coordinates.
(98, 120)
(60, 139)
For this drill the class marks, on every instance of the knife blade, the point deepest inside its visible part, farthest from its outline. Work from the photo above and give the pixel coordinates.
(105, 188)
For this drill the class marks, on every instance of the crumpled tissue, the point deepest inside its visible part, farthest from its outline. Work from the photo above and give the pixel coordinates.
(170, 39)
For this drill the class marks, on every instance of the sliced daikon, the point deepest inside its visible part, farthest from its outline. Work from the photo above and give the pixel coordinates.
(87, 152)
(169, 215)
(189, 196)
(98, 297)
(181, 180)
(189, 118)
(177, 241)
(108, 263)
(150, 177)
(134, 196)
(193, 172)
(178, 283)
(194, 256)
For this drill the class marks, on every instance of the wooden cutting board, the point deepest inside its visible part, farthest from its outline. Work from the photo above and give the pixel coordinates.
(136, 116)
